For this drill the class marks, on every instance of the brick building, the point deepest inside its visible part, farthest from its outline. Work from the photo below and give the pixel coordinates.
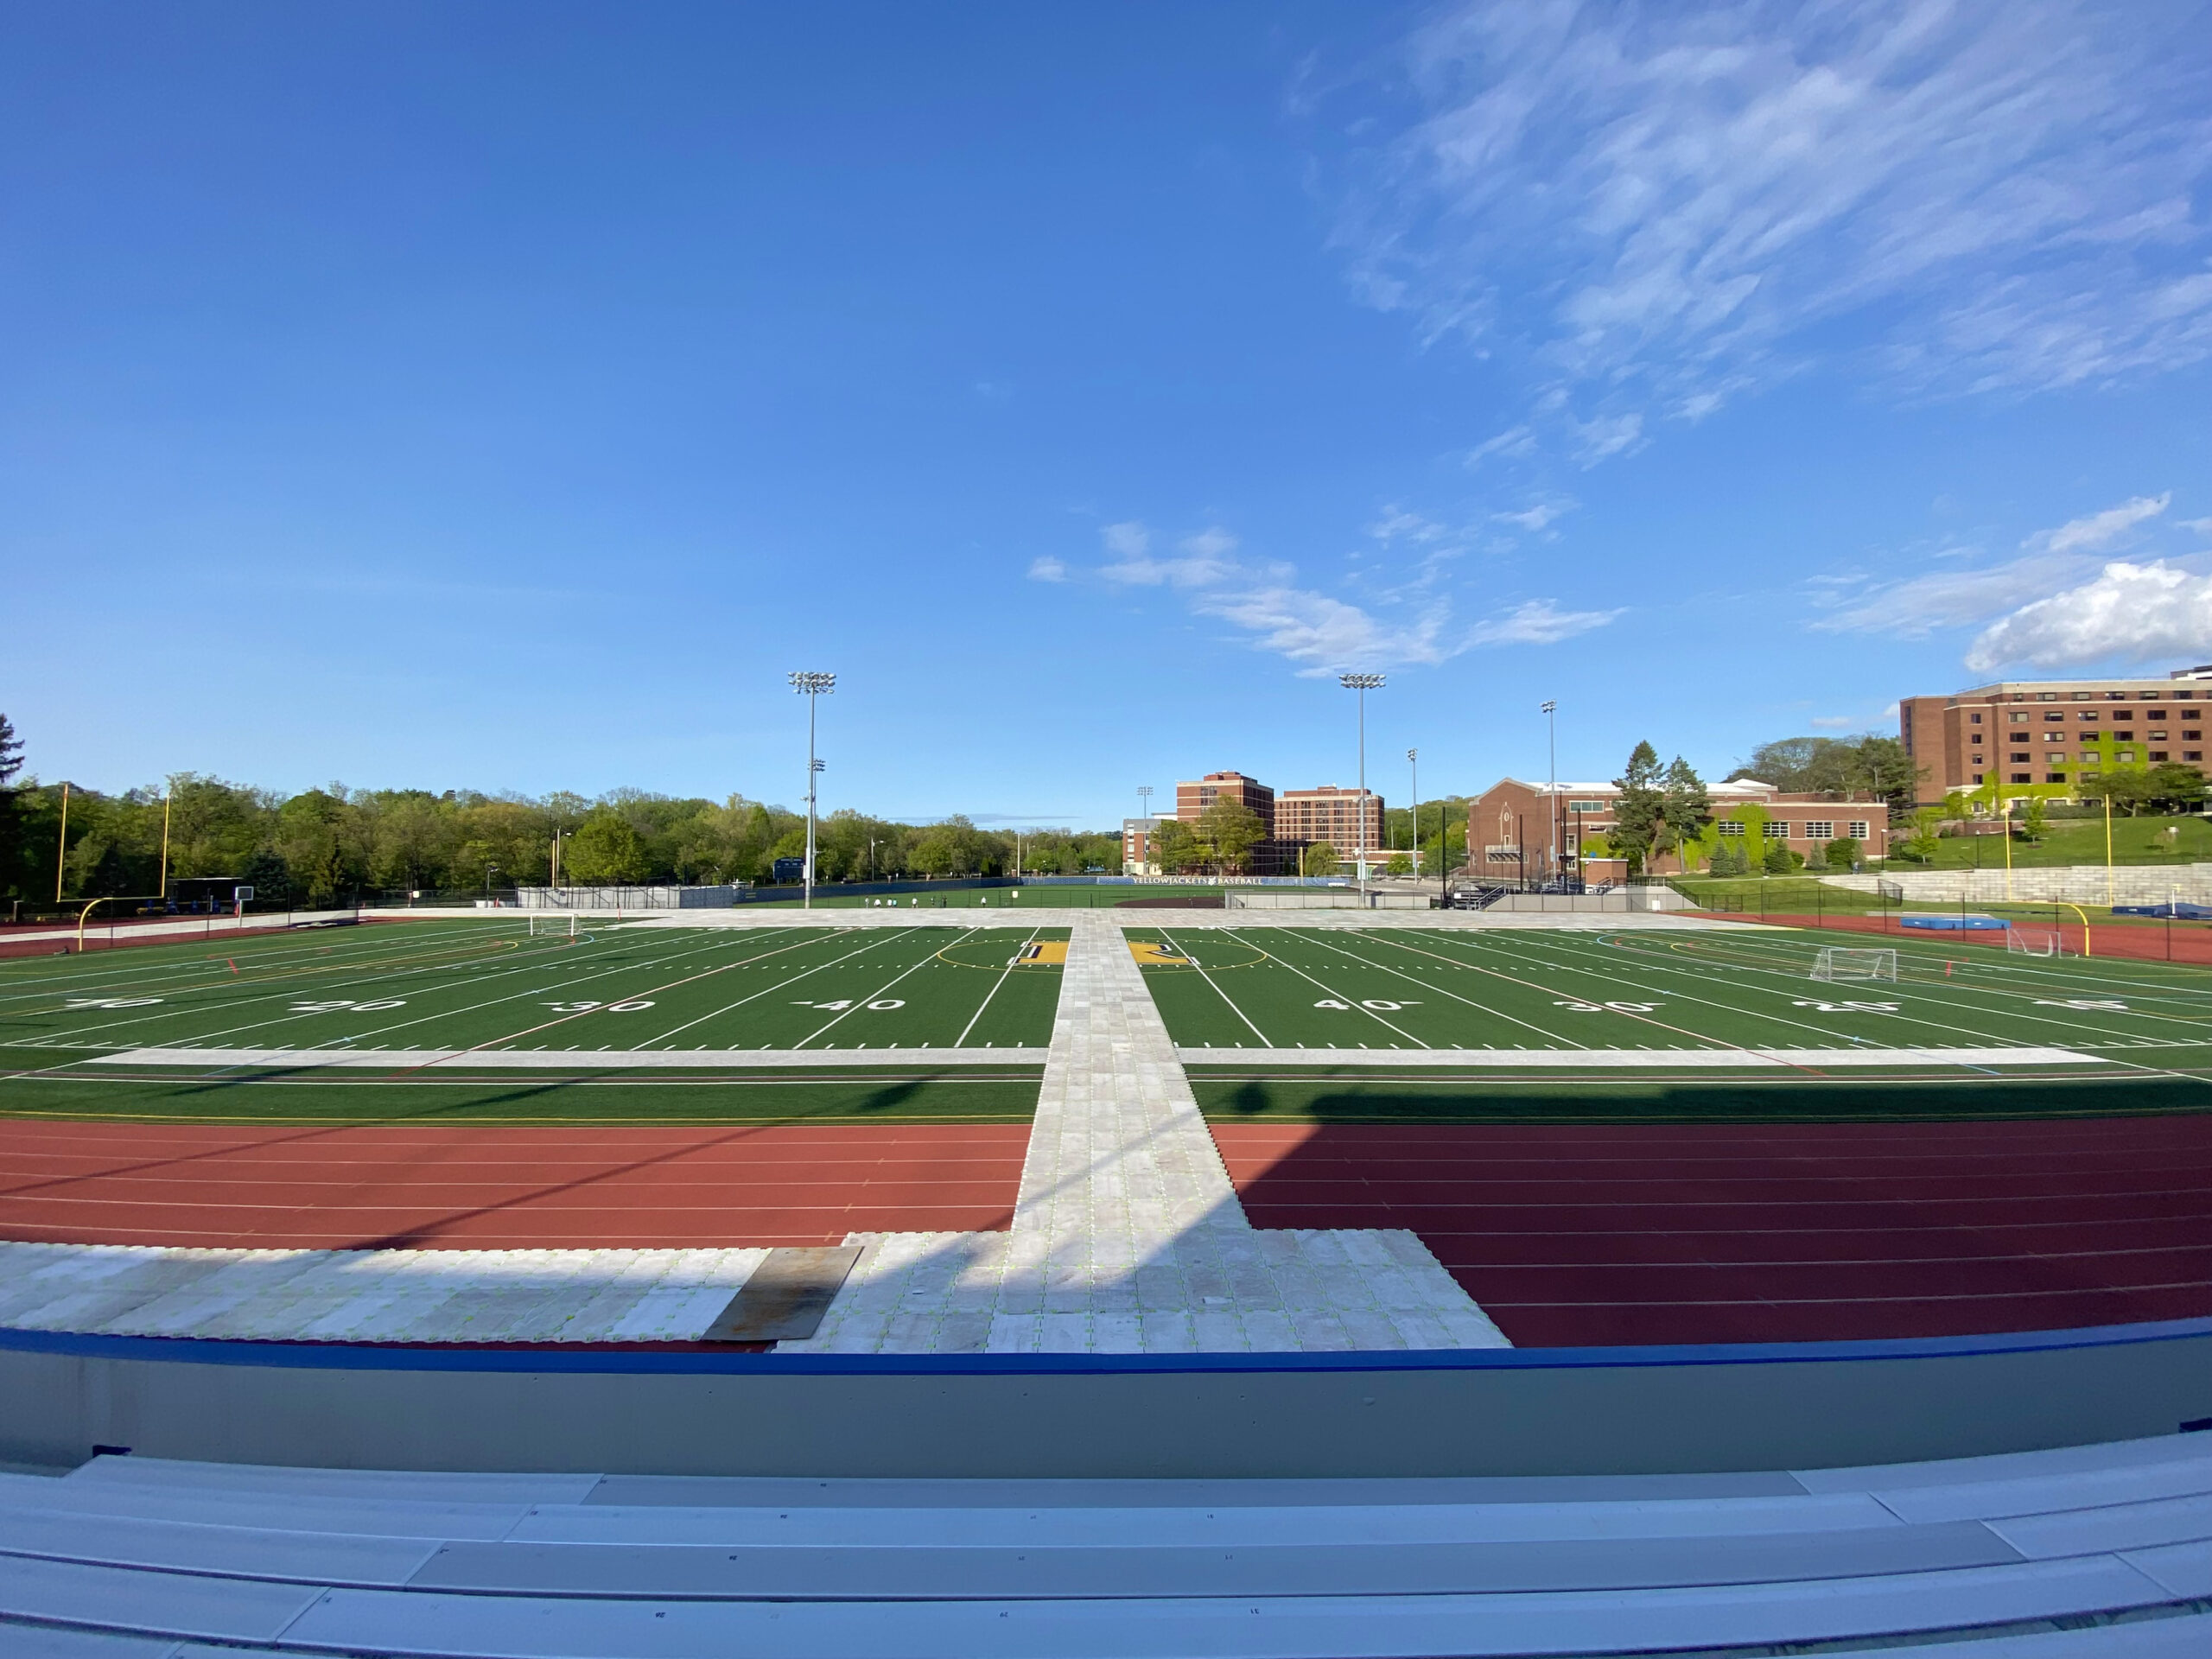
(1137, 847)
(2048, 732)
(1331, 814)
(1292, 820)
(1510, 824)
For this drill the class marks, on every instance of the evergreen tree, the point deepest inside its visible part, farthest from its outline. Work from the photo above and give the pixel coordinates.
(1637, 813)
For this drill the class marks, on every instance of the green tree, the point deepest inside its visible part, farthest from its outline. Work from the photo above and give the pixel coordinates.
(2034, 822)
(606, 851)
(1854, 765)
(1176, 847)
(1685, 808)
(1318, 858)
(1399, 864)
(2172, 787)
(1638, 814)
(1920, 846)
(1231, 830)
(1842, 853)
(11, 753)
(1778, 860)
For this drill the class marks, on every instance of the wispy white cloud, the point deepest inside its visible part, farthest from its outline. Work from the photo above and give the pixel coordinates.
(1199, 561)
(2128, 613)
(1958, 598)
(1538, 622)
(2100, 531)
(1539, 517)
(1660, 205)
(1323, 635)
(1048, 570)
(1831, 722)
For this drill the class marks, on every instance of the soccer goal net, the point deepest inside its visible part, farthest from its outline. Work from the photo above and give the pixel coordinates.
(1842, 961)
(557, 926)
(2032, 941)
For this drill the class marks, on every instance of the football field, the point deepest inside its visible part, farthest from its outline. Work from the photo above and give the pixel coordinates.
(483, 1020)
(1520, 1026)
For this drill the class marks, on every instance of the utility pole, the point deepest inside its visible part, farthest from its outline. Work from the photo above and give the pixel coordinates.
(1362, 683)
(811, 686)
(1551, 721)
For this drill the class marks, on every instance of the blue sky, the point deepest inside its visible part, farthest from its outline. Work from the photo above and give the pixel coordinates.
(508, 396)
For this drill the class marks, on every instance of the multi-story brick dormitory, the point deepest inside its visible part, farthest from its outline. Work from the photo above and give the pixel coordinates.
(1515, 826)
(1293, 821)
(2047, 731)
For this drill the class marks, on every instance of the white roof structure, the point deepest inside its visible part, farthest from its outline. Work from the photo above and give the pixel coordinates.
(1741, 789)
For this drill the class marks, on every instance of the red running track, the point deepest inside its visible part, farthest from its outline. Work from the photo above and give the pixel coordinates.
(500, 1188)
(1806, 1232)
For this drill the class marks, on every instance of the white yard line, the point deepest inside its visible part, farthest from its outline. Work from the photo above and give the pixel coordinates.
(1167, 938)
(1005, 973)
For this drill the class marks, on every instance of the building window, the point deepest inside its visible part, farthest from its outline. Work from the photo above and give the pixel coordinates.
(2054, 777)
(2022, 777)
(2016, 717)
(2088, 759)
(2192, 754)
(1974, 720)
(1977, 776)
(2055, 714)
(2086, 714)
(2015, 759)
(2159, 755)
(1730, 828)
(1859, 826)
(1819, 830)
(2149, 696)
(2081, 697)
(1586, 806)
(2158, 737)
(2123, 714)
(2126, 757)
(2115, 696)
(2046, 696)
(2054, 737)
(1778, 831)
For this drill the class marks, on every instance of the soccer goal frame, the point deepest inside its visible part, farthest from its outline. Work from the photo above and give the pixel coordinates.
(563, 927)
(2033, 941)
(1834, 963)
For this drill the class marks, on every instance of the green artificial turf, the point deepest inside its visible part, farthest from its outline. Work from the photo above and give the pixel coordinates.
(489, 988)
(1971, 1030)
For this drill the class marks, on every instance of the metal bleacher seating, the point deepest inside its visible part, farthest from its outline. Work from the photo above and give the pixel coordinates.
(2099, 1551)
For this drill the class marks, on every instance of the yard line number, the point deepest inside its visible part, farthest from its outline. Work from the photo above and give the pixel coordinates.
(881, 1005)
(1373, 1005)
(1847, 1008)
(342, 1005)
(633, 1007)
(1607, 1008)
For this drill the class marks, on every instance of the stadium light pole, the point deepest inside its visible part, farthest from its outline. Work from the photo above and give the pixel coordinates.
(1362, 683)
(1413, 764)
(812, 685)
(1551, 723)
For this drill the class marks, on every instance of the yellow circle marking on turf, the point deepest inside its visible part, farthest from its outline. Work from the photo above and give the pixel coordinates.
(1154, 954)
(994, 956)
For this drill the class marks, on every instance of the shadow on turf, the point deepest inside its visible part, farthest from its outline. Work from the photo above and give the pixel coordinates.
(1807, 1101)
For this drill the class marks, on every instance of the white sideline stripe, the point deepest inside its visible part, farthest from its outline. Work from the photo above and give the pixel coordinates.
(510, 1059)
(1677, 1058)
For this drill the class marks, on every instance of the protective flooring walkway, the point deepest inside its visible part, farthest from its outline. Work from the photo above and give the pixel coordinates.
(1128, 1236)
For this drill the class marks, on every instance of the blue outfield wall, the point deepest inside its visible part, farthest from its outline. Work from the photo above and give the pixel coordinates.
(1655, 1410)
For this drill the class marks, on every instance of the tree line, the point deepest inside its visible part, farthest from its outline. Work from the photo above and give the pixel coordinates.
(326, 844)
